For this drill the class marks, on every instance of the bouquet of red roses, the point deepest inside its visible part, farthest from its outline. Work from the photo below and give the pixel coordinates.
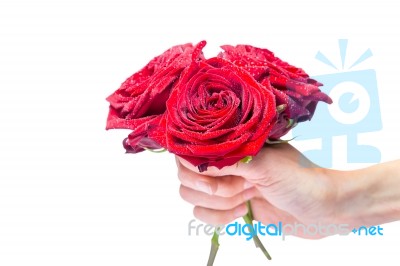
(216, 111)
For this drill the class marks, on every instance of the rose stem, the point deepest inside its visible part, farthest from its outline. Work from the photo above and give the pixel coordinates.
(248, 218)
(214, 247)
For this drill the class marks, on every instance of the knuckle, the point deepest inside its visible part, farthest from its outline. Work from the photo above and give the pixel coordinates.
(197, 212)
(211, 216)
(182, 193)
(181, 175)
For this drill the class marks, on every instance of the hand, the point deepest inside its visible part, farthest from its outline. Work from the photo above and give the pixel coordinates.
(284, 186)
(281, 183)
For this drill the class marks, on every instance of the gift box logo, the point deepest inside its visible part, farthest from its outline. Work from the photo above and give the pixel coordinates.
(355, 109)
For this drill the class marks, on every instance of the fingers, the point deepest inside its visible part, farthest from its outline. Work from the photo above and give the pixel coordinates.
(217, 199)
(262, 210)
(201, 199)
(223, 186)
(217, 217)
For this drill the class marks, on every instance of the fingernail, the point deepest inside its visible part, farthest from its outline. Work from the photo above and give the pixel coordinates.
(204, 187)
(240, 211)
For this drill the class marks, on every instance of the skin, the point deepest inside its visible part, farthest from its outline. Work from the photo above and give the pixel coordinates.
(283, 185)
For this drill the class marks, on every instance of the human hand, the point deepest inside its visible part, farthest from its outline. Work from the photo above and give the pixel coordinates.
(282, 185)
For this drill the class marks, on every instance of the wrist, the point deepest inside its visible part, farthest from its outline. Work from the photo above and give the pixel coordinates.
(351, 197)
(366, 197)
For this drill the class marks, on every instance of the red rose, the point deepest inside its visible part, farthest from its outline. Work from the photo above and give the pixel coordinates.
(217, 115)
(213, 112)
(293, 88)
(140, 101)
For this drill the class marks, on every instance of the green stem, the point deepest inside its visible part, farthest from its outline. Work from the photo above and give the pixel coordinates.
(248, 218)
(249, 210)
(214, 247)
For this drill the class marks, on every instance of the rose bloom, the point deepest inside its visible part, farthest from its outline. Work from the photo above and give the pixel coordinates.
(296, 93)
(140, 101)
(217, 115)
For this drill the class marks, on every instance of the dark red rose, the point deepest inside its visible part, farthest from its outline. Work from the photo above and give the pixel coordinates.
(296, 93)
(140, 101)
(217, 115)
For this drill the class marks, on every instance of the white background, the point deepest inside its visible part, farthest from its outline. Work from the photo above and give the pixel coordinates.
(68, 193)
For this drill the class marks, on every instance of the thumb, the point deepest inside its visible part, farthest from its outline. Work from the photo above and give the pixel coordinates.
(272, 163)
(249, 170)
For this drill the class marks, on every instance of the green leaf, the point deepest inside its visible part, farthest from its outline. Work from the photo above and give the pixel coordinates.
(281, 108)
(279, 141)
(156, 150)
(247, 159)
(290, 123)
